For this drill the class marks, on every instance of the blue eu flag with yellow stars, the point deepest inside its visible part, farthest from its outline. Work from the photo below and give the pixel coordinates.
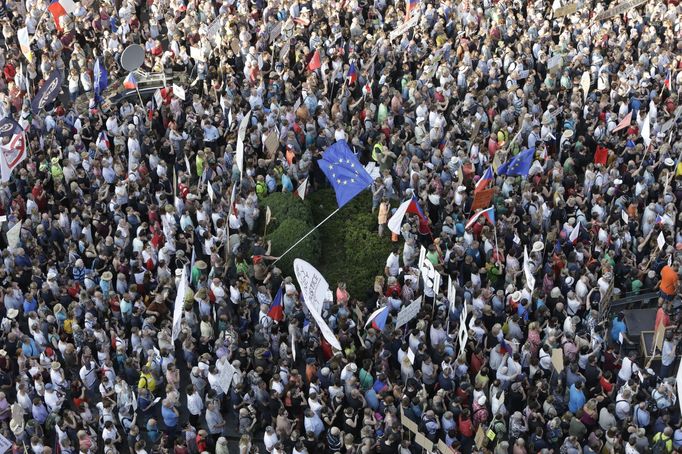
(519, 164)
(345, 173)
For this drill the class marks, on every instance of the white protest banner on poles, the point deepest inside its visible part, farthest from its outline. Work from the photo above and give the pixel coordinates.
(314, 289)
(617, 10)
(408, 313)
(179, 304)
(239, 155)
(405, 26)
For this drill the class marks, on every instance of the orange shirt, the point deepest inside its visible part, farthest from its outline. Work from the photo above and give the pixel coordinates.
(668, 281)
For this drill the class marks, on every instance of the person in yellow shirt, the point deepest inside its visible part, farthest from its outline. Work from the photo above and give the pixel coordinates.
(147, 380)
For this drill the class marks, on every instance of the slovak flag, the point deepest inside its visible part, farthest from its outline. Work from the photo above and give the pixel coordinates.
(484, 181)
(131, 82)
(411, 5)
(102, 141)
(352, 74)
(59, 8)
(488, 214)
(276, 311)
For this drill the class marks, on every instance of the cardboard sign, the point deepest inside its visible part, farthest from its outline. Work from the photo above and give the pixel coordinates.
(482, 199)
(196, 54)
(558, 359)
(479, 439)
(5, 444)
(179, 91)
(443, 448)
(407, 422)
(424, 442)
(272, 143)
(565, 10)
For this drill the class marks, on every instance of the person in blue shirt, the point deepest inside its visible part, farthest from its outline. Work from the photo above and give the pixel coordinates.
(617, 327)
(170, 417)
(576, 398)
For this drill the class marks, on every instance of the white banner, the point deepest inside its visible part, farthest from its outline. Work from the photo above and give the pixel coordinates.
(679, 384)
(239, 156)
(314, 289)
(405, 26)
(11, 155)
(409, 312)
(530, 279)
(179, 304)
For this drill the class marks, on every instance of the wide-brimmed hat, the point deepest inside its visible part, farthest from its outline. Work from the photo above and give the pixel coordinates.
(201, 265)
(538, 246)
(107, 276)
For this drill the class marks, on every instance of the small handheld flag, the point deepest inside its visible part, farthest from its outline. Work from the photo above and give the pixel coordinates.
(102, 141)
(484, 181)
(276, 311)
(352, 75)
(519, 165)
(314, 61)
(131, 82)
(101, 77)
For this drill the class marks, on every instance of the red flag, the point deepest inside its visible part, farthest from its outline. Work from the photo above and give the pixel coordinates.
(315, 61)
(624, 123)
(601, 155)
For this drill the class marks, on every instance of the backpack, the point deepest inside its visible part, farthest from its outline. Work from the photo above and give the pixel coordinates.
(660, 446)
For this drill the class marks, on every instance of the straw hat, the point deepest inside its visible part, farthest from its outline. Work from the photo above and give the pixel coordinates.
(200, 264)
(55, 365)
(538, 246)
(107, 276)
(12, 314)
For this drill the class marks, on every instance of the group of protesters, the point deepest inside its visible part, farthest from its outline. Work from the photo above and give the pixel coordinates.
(124, 202)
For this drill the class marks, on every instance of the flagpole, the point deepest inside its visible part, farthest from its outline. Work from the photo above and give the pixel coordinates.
(306, 235)
(497, 250)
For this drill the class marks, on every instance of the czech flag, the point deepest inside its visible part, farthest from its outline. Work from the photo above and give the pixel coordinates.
(667, 81)
(315, 61)
(484, 181)
(59, 8)
(378, 318)
(276, 311)
(352, 74)
(130, 83)
(409, 206)
(102, 141)
(488, 214)
(411, 5)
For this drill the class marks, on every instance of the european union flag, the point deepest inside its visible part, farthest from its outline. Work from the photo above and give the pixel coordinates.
(101, 77)
(519, 164)
(345, 173)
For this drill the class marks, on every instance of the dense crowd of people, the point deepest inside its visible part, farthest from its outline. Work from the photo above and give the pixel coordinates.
(113, 203)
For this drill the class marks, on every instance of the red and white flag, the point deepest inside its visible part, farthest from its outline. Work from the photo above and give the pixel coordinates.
(59, 8)
(11, 155)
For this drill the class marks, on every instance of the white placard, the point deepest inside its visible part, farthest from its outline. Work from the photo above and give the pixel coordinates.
(660, 241)
(13, 236)
(408, 312)
(179, 91)
(624, 216)
(226, 375)
(405, 26)
(179, 305)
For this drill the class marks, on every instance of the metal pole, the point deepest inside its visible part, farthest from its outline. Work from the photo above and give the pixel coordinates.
(306, 235)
